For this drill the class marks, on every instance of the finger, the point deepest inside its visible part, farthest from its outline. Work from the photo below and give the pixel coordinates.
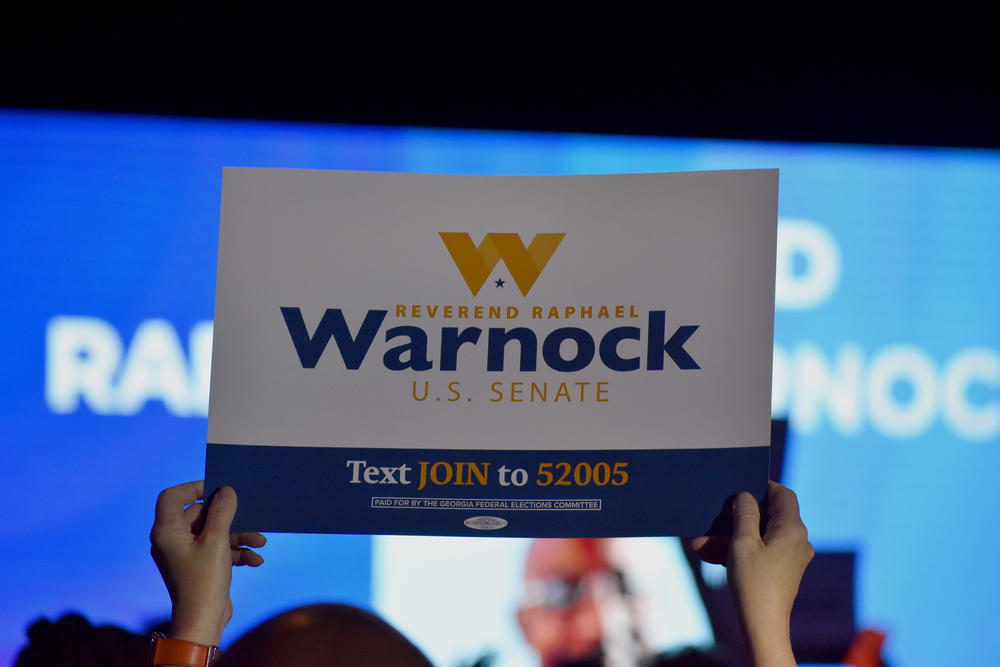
(221, 511)
(711, 549)
(782, 500)
(247, 557)
(171, 502)
(192, 512)
(255, 540)
(746, 516)
(784, 512)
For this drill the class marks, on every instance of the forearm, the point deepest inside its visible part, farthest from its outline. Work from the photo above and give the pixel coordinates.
(200, 614)
(768, 643)
(765, 571)
(195, 551)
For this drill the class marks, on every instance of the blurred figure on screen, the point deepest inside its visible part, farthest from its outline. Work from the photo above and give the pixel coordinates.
(576, 607)
(578, 610)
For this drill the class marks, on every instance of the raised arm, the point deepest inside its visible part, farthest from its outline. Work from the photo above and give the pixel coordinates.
(195, 553)
(763, 571)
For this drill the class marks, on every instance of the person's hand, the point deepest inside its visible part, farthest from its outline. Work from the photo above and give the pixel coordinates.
(763, 572)
(195, 553)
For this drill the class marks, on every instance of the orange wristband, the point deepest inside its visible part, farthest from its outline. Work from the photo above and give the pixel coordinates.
(180, 652)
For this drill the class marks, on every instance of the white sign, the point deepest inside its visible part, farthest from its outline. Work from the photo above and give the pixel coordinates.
(550, 351)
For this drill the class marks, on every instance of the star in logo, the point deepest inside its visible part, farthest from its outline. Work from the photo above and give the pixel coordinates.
(499, 282)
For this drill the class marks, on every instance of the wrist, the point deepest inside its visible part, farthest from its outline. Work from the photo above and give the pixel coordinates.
(777, 654)
(199, 631)
(173, 652)
(768, 642)
(199, 619)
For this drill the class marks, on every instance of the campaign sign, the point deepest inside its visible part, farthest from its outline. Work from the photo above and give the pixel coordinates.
(492, 355)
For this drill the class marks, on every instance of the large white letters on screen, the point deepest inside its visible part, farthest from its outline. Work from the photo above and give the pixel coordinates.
(807, 267)
(902, 383)
(154, 368)
(200, 348)
(86, 364)
(832, 385)
(972, 365)
(82, 356)
(898, 391)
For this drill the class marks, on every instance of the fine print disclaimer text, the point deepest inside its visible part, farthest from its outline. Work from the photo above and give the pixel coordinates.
(566, 504)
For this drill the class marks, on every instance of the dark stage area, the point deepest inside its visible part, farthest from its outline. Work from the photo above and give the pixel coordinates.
(913, 75)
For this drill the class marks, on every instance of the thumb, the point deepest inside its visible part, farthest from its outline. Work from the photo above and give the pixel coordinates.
(221, 511)
(746, 516)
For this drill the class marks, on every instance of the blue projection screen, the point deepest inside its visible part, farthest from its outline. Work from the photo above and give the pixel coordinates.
(886, 359)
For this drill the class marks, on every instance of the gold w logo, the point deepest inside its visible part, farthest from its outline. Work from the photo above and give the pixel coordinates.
(477, 263)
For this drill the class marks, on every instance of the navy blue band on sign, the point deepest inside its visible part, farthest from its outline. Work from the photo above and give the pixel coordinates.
(508, 493)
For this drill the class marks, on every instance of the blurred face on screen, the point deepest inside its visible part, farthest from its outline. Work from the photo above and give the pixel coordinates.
(574, 609)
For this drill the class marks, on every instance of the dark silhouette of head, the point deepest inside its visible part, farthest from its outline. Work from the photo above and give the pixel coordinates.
(320, 635)
(73, 642)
